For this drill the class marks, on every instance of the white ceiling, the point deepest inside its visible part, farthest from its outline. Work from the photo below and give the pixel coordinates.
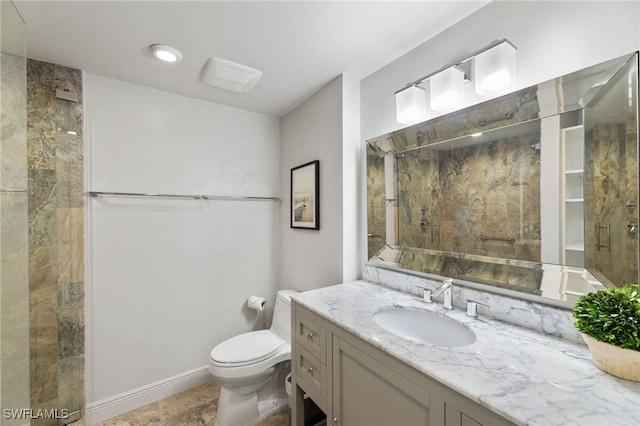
(298, 45)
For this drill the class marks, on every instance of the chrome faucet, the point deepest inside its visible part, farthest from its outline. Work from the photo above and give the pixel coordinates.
(472, 308)
(446, 290)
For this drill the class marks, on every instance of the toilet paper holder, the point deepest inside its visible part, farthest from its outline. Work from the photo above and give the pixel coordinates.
(257, 303)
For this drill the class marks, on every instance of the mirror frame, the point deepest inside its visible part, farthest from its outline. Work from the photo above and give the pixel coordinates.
(571, 93)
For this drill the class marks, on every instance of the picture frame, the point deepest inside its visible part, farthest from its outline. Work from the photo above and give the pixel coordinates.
(305, 196)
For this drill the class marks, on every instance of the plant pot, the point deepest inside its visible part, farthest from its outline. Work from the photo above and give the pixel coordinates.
(619, 362)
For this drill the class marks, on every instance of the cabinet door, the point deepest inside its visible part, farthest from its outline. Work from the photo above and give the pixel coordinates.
(453, 417)
(366, 392)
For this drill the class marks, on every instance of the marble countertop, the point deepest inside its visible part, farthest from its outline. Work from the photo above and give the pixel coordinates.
(524, 376)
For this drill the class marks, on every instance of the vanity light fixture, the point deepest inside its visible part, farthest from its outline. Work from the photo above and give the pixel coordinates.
(495, 70)
(492, 68)
(447, 89)
(165, 53)
(411, 105)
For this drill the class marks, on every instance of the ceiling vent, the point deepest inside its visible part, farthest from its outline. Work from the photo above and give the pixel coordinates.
(229, 75)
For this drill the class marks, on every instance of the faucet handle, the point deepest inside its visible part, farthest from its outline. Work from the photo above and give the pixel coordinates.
(426, 295)
(472, 308)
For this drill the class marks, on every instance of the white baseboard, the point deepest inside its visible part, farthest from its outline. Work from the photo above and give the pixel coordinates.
(136, 398)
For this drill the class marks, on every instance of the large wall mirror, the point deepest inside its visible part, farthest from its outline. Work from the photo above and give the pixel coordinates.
(534, 192)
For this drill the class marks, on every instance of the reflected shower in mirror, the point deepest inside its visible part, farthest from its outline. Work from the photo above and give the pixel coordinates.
(611, 179)
(535, 191)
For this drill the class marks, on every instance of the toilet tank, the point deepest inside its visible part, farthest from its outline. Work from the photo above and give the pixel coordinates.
(281, 324)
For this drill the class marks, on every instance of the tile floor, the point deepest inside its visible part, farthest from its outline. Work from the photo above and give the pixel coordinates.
(195, 407)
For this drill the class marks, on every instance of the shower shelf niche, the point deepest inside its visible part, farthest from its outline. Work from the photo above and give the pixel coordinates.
(572, 196)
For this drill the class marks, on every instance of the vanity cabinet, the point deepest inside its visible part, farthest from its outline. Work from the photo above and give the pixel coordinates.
(368, 392)
(355, 383)
(309, 358)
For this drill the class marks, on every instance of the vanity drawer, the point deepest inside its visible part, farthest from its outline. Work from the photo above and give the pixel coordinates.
(310, 370)
(311, 336)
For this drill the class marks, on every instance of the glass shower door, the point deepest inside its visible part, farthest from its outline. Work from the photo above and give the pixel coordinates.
(611, 179)
(14, 250)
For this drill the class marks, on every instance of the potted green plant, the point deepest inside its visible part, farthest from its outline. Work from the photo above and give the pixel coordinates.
(609, 321)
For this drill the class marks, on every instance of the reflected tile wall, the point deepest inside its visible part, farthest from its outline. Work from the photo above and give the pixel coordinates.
(611, 150)
(376, 205)
(419, 199)
(490, 189)
(495, 192)
(56, 234)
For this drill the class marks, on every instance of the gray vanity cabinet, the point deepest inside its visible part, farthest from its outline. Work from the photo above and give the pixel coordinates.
(355, 383)
(367, 392)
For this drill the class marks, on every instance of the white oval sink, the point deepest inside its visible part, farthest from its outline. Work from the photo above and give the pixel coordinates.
(424, 327)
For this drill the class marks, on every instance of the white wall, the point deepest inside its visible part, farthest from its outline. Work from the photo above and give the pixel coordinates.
(313, 131)
(168, 279)
(553, 38)
(353, 246)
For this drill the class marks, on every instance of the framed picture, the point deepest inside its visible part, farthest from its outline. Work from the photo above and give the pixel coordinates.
(305, 196)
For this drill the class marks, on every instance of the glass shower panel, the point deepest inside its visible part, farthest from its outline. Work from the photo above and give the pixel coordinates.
(56, 322)
(611, 179)
(14, 250)
(70, 289)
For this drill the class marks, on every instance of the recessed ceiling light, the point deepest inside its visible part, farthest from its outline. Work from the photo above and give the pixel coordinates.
(165, 53)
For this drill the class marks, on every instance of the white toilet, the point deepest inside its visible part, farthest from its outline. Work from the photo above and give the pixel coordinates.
(252, 368)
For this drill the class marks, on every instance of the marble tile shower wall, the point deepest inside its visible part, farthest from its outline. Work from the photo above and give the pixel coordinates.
(56, 235)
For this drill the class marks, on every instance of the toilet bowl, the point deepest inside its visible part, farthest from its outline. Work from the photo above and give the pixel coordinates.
(252, 367)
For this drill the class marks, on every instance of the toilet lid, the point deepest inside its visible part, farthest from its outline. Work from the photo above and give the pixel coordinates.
(253, 346)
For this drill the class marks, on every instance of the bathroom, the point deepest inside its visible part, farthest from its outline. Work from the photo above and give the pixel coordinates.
(159, 282)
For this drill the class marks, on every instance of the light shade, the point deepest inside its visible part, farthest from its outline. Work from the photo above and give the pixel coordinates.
(495, 70)
(165, 53)
(411, 105)
(228, 75)
(447, 89)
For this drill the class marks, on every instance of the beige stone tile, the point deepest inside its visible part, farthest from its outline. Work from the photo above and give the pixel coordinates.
(143, 416)
(42, 267)
(41, 128)
(70, 378)
(40, 74)
(202, 415)
(43, 309)
(46, 405)
(42, 214)
(70, 262)
(193, 407)
(70, 319)
(195, 398)
(44, 366)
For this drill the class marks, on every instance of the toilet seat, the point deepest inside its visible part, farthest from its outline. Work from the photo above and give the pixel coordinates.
(247, 348)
